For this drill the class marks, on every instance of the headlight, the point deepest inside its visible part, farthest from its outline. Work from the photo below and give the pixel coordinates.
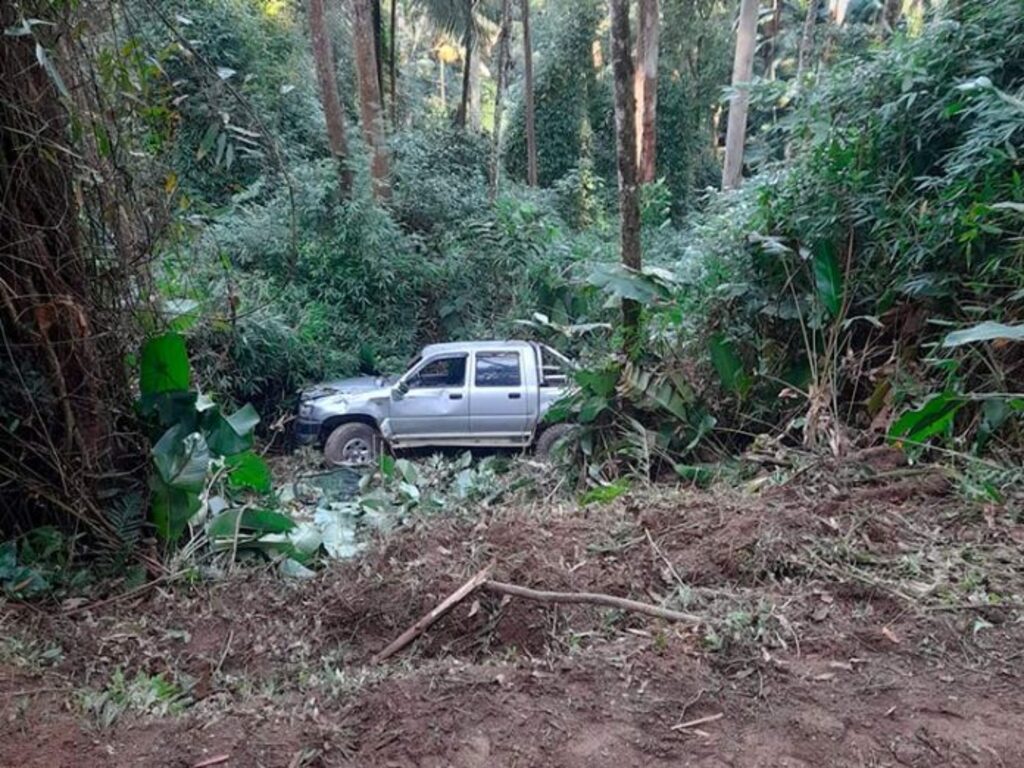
(305, 409)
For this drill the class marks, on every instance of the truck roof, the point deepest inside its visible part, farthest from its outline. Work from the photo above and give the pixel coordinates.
(470, 346)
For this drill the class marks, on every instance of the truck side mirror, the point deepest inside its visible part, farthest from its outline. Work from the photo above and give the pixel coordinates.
(399, 390)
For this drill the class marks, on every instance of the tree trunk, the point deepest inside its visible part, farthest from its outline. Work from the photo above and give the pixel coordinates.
(806, 39)
(329, 98)
(501, 59)
(467, 47)
(646, 89)
(393, 64)
(378, 48)
(531, 135)
(625, 145)
(891, 14)
(369, 94)
(475, 74)
(742, 74)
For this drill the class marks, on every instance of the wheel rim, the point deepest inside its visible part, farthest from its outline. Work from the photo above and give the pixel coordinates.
(357, 451)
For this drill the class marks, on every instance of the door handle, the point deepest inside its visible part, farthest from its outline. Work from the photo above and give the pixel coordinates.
(455, 396)
(514, 395)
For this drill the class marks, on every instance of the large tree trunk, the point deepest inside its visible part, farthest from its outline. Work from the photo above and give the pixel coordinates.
(806, 39)
(647, 89)
(742, 74)
(531, 134)
(625, 145)
(393, 64)
(378, 47)
(501, 62)
(329, 98)
(369, 94)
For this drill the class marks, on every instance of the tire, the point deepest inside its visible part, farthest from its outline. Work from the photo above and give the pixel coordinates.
(353, 444)
(548, 438)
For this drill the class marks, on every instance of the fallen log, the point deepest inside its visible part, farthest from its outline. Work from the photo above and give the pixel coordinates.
(593, 598)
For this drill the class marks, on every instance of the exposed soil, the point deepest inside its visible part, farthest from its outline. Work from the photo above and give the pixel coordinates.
(850, 621)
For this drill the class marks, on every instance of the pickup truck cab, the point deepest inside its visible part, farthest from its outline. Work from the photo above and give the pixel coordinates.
(480, 393)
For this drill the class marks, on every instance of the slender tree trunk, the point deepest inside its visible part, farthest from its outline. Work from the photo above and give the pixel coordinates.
(625, 145)
(369, 94)
(531, 134)
(772, 49)
(646, 89)
(501, 59)
(440, 81)
(393, 64)
(742, 74)
(806, 39)
(475, 73)
(891, 14)
(334, 115)
(467, 47)
(378, 47)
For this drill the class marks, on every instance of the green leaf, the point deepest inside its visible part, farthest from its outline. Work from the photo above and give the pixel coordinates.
(249, 520)
(624, 283)
(700, 476)
(171, 509)
(987, 331)
(206, 144)
(232, 434)
(182, 459)
(248, 470)
(592, 408)
(728, 365)
(933, 418)
(600, 382)
(165, 366)
(603, 494)
(828, 278)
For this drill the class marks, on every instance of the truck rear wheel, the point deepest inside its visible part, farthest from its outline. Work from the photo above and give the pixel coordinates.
(353, 444)
(548, 438)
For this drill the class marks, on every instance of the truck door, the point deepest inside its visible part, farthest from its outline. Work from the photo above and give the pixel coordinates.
(498, 401)
(436, 404)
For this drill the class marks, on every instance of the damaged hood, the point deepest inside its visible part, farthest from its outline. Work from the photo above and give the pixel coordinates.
(350, 386)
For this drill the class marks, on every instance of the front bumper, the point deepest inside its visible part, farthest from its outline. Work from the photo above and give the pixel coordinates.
(306, 432)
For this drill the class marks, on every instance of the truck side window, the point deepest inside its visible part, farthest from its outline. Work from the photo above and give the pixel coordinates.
(443, 372)
(498, 369)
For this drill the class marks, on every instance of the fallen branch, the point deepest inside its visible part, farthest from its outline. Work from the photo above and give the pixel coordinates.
(698, 721)
(433, 615)
(593, 598)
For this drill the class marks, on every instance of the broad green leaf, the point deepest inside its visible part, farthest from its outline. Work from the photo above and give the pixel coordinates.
(592, 408)
(728, 365)
(933, 418)
(598, 382)
(249, 520)
(700, 476)
(622, 282)
(232, 434)
(407, 471)
(828, 278)
(165, 366)
(248, 470)
(171, 509)
(182, 459)
(206, 144)
(987, 331)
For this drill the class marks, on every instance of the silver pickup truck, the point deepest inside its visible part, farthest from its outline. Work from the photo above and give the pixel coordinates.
(479, 393)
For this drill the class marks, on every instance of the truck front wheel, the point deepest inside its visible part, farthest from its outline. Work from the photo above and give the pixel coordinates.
(353, 444)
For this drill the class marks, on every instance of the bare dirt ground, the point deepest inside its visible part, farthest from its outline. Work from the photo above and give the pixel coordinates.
(856, 619)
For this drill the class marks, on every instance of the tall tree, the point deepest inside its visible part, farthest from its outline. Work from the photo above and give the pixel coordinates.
(647, 88)
(531, 134)
(625, 146)
(806, 38)
(393, 63)
(742, 74)
(378, 46)
(334, 116)
(467, 63)
(500, 64)
(369, 93)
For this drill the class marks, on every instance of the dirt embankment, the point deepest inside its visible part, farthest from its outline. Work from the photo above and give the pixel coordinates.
(846, 624)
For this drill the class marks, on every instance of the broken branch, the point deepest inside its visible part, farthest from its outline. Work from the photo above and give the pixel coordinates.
(593, 598)
(433, 615)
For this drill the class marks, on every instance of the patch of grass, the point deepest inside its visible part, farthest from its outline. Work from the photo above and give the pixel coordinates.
(144, 694)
